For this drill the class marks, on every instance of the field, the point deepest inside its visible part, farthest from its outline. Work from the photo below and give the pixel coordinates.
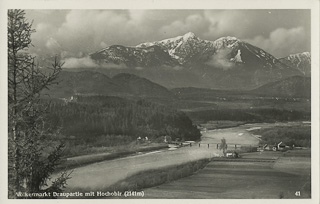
(159, 176)
(255, 176)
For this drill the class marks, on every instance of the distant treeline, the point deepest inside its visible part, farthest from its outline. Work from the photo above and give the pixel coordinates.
(250, 115)
(87, 118)
(300, 136)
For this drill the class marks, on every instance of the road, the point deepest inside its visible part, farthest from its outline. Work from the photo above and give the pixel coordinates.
(99, 176)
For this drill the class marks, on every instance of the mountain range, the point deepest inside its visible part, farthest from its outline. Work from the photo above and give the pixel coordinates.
(152, 69)
(188, 61)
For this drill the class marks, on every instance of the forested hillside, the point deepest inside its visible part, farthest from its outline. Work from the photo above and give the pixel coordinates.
(94, 119)
(250, 115)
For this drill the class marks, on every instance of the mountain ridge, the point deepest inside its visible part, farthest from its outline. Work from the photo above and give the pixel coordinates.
(226, 63)
(96, 83)
(295, 86)
(300, 61)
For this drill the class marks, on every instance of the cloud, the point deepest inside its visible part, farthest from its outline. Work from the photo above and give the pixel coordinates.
(224, 22)
(281, 41)
(221, 59)
(85, 62)
(75, 33)
(52, 44)
(193, 23)
(239, 23)
(92, 29)
(86, 31)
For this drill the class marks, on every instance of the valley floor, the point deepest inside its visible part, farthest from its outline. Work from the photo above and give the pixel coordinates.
(226, 179)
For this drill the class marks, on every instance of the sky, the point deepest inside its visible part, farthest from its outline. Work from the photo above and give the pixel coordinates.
(73, 34)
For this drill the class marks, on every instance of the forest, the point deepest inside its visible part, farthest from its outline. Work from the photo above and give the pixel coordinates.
(299, 136)
(249, 115)
(111, 121)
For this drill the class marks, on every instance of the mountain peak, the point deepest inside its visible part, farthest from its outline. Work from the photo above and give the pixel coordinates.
(227, 41)
(305, 54)
(227, 38)
(188, 35)
(178, 39)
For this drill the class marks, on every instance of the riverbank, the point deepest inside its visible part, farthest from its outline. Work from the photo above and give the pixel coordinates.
(223, 124)
(78, 161)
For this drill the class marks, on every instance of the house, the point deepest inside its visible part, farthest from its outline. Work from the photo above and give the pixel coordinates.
(281, 146)
(269, 147)
(276, 147)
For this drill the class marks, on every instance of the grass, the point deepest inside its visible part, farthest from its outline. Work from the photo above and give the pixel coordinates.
(156, 177)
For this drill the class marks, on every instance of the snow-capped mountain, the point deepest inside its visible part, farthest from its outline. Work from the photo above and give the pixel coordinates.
(133, 56)
(189, 46)
(227, 63)
(187, 50)
(183, 47)
(300, 61)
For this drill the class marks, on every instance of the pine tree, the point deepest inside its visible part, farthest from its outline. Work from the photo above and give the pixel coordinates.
(32, 153)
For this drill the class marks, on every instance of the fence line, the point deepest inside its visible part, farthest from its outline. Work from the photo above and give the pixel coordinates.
(230, 145)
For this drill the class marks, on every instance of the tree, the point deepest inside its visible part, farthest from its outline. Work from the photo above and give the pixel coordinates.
(32, 152)
(223, 146)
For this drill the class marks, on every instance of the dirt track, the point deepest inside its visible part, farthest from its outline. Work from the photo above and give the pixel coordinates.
(99, 176)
